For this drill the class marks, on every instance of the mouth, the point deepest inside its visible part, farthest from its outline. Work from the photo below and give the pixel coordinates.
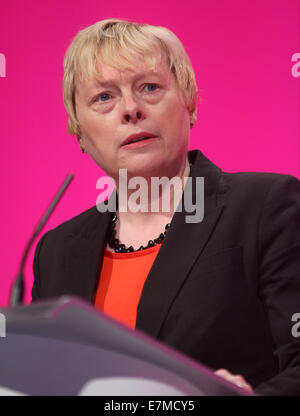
(137, 138)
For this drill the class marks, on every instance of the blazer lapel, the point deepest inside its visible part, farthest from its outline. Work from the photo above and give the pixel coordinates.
(84, 255)
(181, 247)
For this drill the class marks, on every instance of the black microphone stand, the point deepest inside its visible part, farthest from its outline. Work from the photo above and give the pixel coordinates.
(17, 291)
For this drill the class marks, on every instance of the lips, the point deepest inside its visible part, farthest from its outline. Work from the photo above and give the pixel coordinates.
(143, 135)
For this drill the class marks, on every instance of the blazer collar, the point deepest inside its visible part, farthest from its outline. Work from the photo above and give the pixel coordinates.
(84, 253)
(181, 247)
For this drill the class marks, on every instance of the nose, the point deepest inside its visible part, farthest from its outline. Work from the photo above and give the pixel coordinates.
(133, 116)
(132, 110)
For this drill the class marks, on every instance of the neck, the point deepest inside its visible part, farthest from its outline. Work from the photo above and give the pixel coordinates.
(136, 230)
(148, 201)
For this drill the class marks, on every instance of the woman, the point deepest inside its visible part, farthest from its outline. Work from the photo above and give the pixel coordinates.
(221, 290)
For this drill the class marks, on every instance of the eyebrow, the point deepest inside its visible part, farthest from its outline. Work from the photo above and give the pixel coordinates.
(136, 77)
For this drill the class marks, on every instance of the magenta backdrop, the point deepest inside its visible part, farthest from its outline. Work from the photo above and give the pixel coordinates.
(248, 120)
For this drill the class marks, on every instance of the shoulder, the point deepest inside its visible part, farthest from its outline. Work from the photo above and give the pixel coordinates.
(75, 224)
(82, 225)
(245, 183)
(259, 184)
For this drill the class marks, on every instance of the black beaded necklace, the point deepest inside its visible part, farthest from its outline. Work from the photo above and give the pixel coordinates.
(115, 244)
(121, 248)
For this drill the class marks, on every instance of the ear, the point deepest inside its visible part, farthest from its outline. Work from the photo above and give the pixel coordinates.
(193, 112)
(79, 138)
(193, 120)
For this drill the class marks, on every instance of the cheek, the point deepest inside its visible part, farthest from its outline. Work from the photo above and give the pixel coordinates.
(93, 127)
(173, 109)
(178, 130)
(175, 119)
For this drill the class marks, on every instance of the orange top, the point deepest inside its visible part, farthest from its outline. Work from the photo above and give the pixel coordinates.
(121, 283)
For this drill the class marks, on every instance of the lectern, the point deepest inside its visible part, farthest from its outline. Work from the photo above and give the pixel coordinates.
(66, 347)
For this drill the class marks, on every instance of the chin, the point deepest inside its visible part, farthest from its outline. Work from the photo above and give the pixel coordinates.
(141, 169)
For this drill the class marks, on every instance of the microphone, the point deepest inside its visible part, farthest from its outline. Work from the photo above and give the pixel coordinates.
(17, 291)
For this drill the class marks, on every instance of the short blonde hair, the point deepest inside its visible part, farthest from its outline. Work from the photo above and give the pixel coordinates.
(121, 41)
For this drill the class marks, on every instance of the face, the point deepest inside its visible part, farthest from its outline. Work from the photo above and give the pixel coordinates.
(129, 102)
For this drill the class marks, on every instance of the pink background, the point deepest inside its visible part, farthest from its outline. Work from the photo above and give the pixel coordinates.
(248, 120)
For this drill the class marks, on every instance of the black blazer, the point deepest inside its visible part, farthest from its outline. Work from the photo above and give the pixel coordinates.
(222, 291)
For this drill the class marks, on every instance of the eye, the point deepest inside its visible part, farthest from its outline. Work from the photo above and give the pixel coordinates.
(151, 87)
(102, 97)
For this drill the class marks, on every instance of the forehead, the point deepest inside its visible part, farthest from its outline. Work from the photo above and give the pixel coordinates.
(141, 68)
(111, 70)
(124, 58)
